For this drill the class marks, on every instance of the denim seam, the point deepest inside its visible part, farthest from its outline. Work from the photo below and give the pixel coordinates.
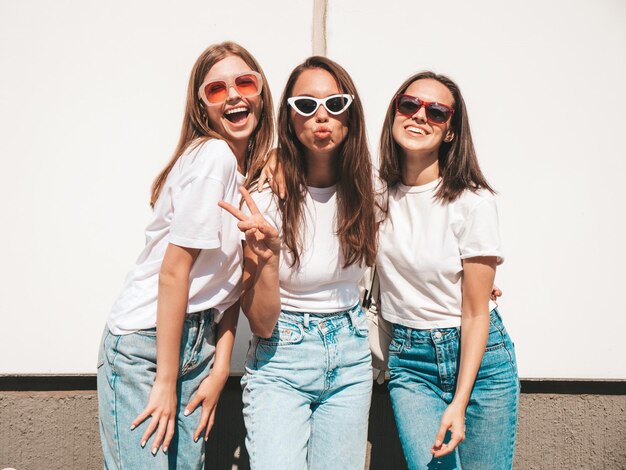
(194, 348)
(114, 407)
(504, 336)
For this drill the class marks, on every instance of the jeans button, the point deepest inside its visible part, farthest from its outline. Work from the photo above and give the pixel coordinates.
(437, 334)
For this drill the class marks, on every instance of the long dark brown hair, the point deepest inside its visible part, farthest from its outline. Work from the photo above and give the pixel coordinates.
(458, 165)
(356, 226)
(196, 128)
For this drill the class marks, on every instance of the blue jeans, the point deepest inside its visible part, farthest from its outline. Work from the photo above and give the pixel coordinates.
(126, 372)
(307, 392)
(424, 367)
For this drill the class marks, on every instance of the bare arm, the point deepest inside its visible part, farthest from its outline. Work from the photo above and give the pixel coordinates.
(261, 295)
(478, 277)
(171, 308)
(211, 387)
(260, 300)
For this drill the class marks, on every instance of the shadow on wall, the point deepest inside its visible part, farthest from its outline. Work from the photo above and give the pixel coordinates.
(226, 449)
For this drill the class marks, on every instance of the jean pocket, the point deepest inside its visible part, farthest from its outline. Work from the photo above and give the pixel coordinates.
(496, 338)
(284, 333)
(360, 325)
(150, 332)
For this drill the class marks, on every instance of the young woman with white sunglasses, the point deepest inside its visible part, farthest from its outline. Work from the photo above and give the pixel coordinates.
(167, 345)
(308, 380)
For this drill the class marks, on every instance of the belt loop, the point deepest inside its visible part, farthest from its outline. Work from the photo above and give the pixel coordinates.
(353, 314)
(306, 321)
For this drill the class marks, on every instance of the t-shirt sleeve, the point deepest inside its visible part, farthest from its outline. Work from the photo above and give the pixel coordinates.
(197, 222)
(480, 234)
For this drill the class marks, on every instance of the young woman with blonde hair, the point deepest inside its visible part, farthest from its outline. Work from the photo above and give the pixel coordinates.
(169, 337)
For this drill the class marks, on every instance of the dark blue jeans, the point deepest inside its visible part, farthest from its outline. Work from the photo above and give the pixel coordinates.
(424, 370)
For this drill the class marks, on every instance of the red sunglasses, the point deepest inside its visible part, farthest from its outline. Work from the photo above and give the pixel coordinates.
(438, 113)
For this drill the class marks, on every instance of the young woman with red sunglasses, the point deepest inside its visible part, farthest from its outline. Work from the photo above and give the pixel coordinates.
(167, 345)
(308, 380)
(454, 384)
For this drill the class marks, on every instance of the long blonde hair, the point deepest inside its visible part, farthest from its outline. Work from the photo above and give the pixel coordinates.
(196, 128)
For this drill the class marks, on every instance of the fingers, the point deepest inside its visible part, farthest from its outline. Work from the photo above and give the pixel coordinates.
(440, 436)
(249, 201)
(233, 210)
(169, 435)
(145, 414)
(445, 449)
(160, 435)
(154, 422)
(193, 404)
(263, 177)
(210, 425)
(202, 424)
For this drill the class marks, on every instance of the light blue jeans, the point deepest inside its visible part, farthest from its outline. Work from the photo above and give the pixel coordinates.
(126, 372)
(424, 367)
(307, 392)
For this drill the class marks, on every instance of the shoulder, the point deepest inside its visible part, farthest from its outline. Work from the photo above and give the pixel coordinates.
(211, 158)
(470, 200)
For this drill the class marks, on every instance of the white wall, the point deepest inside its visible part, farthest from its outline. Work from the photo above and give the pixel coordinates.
(91, 100)
(544, 84)
(91, 103)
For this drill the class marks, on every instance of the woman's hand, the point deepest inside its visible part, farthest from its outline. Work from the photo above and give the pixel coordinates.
(207, 395)
(261, 237)
(495, 293)
(162, 408)
(273, 173)
(453, 420)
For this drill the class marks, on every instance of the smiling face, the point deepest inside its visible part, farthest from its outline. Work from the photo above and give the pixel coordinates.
(236, 118)
(322, 133)
(415, 134)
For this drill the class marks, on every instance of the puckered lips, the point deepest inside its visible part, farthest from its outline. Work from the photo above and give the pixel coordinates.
(238, 115)
(322, 132)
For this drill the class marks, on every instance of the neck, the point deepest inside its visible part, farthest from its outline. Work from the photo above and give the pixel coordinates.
(321, 170)
(240, 149)
(419, 169)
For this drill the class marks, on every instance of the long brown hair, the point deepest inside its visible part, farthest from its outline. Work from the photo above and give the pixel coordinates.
(196, 128)
(458, 165)
(356, 226)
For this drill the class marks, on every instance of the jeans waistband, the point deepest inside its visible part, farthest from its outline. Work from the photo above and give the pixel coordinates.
(308, 318)
(203, 316)
(448, 333)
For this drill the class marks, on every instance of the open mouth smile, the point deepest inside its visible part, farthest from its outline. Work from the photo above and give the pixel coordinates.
(237, 115)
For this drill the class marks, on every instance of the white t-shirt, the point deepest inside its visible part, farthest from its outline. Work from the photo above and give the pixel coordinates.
(186, 214)
(320, 283)
(421, 247)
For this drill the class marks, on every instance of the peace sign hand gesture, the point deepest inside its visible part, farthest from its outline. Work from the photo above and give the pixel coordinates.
(261, 237)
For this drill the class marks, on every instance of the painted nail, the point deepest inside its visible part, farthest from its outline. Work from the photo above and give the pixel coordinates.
(143, 443)
(132, 426)
(165, 450)
(196, 439)
(154, 451)
(186, 412)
